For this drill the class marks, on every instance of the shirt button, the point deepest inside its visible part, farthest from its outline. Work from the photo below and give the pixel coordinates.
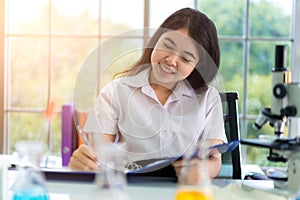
(164, 133)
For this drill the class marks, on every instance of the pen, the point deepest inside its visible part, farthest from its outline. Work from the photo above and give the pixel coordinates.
(83, 137)
(86, 141)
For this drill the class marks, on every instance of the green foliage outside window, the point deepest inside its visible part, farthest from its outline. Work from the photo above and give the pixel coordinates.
(266, 20)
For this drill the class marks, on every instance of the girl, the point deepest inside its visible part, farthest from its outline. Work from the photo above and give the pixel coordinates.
(163, 104)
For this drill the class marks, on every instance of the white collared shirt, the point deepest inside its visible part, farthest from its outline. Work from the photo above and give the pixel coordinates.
(129, 106)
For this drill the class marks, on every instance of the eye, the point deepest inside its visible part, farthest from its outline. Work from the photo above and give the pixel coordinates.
(186, 59)
(168, 46)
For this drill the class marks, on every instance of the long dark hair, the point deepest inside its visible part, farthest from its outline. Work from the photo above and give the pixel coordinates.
(202, 30)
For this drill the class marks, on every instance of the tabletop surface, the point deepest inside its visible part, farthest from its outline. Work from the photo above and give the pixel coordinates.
(221, 188)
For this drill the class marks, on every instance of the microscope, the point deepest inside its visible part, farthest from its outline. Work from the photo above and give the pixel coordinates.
(285, 104)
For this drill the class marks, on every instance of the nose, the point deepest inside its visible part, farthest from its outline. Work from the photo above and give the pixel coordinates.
(172, 60)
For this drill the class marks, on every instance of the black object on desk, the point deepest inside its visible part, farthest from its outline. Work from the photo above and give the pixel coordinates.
(69, 176)
(164, 175)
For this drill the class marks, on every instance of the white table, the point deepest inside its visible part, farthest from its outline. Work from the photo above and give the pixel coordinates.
(164, 191)
(76, 191)
(222, 189)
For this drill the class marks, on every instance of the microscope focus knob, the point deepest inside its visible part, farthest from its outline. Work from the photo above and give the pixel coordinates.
(279, 91)
(290, 111)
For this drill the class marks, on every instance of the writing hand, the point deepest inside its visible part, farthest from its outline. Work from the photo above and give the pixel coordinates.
(83, 159)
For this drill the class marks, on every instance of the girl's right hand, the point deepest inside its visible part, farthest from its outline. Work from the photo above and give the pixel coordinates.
(83, 159)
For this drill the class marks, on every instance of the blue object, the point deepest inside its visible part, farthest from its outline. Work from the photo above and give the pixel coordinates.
(37, 193)
(298, 195)
(226, 147)
(255, 176)
(29, 186)
(220, 148)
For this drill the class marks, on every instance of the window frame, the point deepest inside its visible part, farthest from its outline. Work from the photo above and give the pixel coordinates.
(3, 140)
(294, 124)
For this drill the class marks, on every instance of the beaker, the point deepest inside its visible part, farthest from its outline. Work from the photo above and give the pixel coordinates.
(194, 180)
(29, 184)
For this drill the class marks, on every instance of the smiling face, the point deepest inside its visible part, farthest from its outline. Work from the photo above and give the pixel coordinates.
(173, 58)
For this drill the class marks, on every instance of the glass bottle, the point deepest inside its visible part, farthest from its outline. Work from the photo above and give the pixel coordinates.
(29, 184)
(194, 182)
(111, 160)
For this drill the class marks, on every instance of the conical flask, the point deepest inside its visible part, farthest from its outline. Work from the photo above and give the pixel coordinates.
(29, 184)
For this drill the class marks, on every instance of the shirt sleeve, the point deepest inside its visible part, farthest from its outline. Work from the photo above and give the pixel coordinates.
(214, 123)
(106, 110)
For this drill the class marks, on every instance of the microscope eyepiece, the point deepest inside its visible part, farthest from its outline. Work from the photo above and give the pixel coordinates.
(262, 119)
(280, 58)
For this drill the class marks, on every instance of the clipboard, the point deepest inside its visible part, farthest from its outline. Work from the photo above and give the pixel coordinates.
(159, 170)
(160, 164)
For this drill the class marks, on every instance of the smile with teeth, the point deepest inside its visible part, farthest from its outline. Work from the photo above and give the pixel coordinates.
(167, 69)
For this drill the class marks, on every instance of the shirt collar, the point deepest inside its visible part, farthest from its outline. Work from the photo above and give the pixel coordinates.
(184, 89)
(141, 80)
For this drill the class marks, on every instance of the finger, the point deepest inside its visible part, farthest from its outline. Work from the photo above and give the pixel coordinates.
(194, 174)
(178, 163)
(83, 159)
(77, 165)
(82, 164)
(193, 177)
(85, 150)
(177, 171)
(86, 159)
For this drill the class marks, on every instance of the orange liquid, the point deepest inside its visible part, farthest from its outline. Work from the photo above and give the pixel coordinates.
(192, 195)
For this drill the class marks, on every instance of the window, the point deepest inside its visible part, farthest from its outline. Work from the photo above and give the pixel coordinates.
(45, 43)
(248, 32)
